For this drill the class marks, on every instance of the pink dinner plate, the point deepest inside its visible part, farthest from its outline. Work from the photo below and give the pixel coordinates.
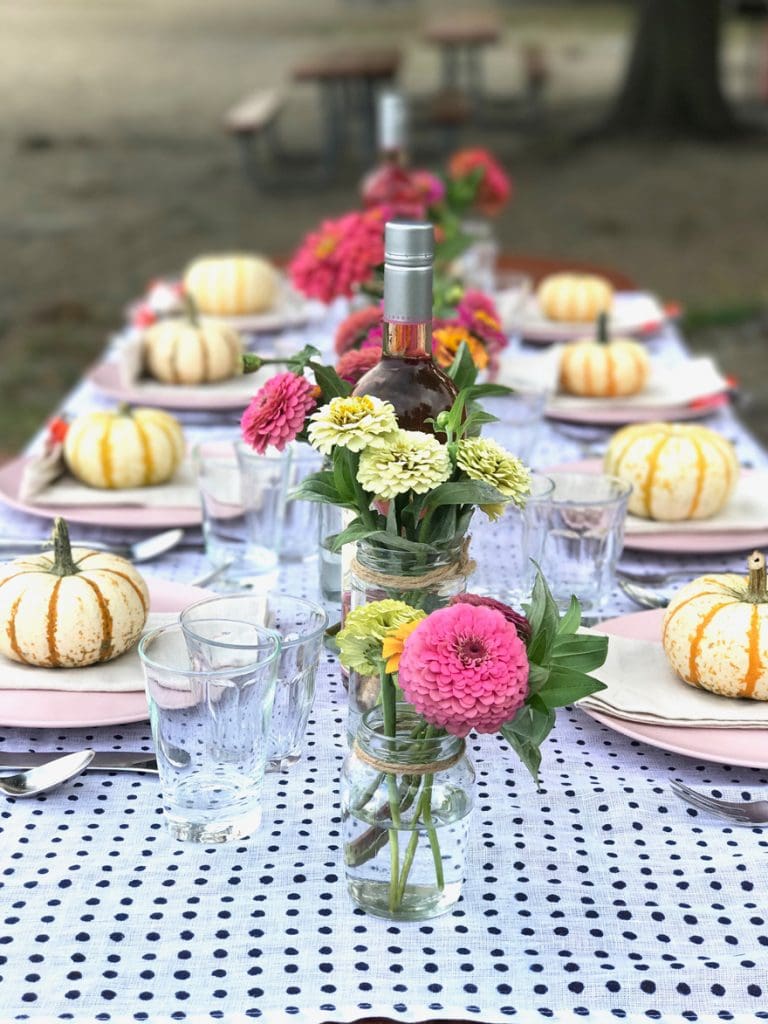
(124, 517)
(594, 413)
(105, 377)
(747, 748)
(640, 319)
(676, 543)
(62, 709)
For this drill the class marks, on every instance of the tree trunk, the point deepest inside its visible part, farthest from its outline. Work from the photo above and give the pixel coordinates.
(672, 83)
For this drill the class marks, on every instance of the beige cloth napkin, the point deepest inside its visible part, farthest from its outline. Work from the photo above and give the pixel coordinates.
(746, 511)
(643, 688)
(38, 487)
(122, 675)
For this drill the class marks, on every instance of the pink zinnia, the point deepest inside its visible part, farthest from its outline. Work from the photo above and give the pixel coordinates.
(495, 186)
(340, 255)
(464, 667)
(429, 186)
(518, 620)
(353, 329)
(277, 412)
(357, 362)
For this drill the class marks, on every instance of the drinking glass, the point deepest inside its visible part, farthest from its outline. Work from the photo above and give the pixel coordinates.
(300, 625)
(249, 524)
(585, 536)
(515, 542)
(210, 720)
(520, 416)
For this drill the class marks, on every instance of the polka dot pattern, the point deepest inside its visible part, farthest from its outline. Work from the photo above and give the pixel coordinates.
(597, 896)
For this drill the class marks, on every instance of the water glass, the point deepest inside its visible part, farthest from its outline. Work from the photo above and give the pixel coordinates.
(210, 721)
(520, 416)
(300, 625)
(523, 534)
(585, 537)
(249, 524)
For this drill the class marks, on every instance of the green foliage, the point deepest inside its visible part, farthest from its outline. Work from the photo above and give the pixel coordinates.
(560, 660)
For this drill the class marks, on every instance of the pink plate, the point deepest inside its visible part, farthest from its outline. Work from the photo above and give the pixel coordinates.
(124, 517)
(595, 413)
(747, 748)
(62, 709)
(675, 543)
(105, 377)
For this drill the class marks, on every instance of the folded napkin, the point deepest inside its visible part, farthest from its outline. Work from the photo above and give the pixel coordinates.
(45, 481)
(122, 675)
(745, 512)
(641, 687)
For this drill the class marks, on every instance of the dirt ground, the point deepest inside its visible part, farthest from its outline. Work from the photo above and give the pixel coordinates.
(115, 167)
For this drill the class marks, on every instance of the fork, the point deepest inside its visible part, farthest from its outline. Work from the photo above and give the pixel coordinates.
(749, 812)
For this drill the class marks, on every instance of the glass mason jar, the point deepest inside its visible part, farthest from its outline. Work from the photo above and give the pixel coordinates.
(406, 803)
(373, 576)
(330, 521)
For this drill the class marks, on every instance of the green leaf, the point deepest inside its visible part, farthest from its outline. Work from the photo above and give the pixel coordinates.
(357, 530)
(345, 465)
(329, 382)
(537, 677)
(565, 686)
(582, 652)
(527, 731)
(318, 487)
(462, 370)
(544, 618)
(476, 391)
(571, 621)
(463, 492)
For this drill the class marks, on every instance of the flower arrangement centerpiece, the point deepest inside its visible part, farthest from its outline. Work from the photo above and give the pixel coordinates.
(476, 665)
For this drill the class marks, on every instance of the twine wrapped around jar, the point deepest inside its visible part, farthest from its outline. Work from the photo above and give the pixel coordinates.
(463, 566)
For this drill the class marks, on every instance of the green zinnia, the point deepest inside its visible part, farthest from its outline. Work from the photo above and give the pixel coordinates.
(483, 459)
(361, 639)
(411, 461)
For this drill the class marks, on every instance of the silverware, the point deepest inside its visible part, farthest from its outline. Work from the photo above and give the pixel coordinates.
(46, 775)
(140, 551)
(106, 760)
(213, 574)
(741, 812)
(659, 578)
(645, 597)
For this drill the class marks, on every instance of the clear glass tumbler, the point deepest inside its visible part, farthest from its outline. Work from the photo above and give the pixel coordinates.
(585, 537)
(300, 625)
(210, 721)
(520, 416)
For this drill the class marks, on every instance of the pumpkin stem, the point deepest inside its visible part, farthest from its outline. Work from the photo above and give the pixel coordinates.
(757, 578)
(190, 309)
(124, 409)
(602, 329)
(63, 563)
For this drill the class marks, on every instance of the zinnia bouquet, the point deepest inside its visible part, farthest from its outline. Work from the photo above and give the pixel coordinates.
(476, 665)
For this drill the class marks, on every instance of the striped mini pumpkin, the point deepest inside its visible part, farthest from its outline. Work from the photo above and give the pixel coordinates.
(715, 633)
(604, 370)
(179, 351)
(677, 471)
(70, 608)
(124, 448)
(232, 285)
(574, 298)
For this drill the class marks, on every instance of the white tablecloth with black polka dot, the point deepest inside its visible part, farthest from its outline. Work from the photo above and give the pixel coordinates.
(598, 896)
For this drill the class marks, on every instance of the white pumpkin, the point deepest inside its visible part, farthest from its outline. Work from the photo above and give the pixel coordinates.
(124, 448)
(232, 285)
(574, 298)
(180, 350)
(604, 367)
(677, 471)
(716, 633)
(71, 607)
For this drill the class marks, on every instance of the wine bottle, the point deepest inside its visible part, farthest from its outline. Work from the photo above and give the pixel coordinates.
(407, 376)
(391, 183)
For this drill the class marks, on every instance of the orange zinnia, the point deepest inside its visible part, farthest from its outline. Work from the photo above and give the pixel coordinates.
(393, 644)
(446, 342)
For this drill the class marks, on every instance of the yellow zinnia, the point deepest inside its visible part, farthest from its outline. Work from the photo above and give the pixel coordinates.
(393, 643)
(354, 422)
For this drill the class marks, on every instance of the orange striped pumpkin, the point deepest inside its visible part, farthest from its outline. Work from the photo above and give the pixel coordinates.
(71, 607)
(232, 285)
(677, 471)
(603, 367)
(124, 448)
(574, 298)
(715, 633)
(182, 351)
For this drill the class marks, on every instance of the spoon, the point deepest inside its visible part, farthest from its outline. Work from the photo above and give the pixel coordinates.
(644, 596)
(140, 551)
(47, 776)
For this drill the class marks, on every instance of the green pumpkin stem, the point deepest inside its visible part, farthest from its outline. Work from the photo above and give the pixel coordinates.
(602, 329)
(124, 409)
(63, 563)
(191, 312)
(757, 592)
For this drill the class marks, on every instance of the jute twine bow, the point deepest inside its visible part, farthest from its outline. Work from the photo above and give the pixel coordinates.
(463, 566)
(397, 768)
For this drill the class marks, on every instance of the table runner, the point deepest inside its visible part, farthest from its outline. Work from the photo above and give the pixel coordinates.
(598, 895)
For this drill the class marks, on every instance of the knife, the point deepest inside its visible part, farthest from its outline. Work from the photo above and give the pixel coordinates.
(104, 760)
